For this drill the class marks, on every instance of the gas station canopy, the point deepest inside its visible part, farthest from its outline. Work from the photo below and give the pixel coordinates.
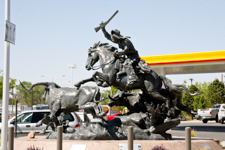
(187, 63)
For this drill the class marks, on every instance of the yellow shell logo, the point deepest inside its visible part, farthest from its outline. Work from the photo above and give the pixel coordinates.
(106, 109)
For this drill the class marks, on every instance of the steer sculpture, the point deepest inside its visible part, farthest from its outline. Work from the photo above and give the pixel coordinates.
(62, 100)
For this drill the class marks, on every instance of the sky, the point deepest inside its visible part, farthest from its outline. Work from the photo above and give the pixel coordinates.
(51, 34)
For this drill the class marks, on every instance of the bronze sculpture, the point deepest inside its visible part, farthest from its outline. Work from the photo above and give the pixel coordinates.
(152, 109)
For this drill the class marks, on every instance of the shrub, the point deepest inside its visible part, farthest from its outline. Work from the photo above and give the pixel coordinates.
(34, 148)
(193, 133)
(161, 147)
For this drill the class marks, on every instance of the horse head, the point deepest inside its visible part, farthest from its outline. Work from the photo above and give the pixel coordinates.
(102, 52)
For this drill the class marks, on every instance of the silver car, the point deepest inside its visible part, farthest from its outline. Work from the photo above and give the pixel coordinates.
(27, 120)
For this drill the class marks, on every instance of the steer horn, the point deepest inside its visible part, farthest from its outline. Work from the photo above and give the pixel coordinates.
(111, 98)
(40, 83)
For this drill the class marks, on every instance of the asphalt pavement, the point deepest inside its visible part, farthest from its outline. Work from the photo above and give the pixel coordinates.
(211, 130)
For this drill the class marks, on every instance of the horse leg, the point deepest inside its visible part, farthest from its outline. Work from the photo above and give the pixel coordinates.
(83, 81)
(101, 79)
(153, 93)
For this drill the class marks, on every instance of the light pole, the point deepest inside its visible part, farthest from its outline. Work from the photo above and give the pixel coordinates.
(52, 76)
(191, 80)
(5, 92)
(72, 66)
(17, 97)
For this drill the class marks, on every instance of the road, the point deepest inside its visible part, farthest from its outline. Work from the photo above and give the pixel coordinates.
(210, 130)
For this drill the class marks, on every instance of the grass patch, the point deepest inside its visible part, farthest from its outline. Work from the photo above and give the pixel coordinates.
(188, 118)
(193, 133)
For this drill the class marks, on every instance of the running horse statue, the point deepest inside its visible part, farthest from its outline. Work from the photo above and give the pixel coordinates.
(149, 81)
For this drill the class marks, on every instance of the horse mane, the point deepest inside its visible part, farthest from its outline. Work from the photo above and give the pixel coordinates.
(108, 47)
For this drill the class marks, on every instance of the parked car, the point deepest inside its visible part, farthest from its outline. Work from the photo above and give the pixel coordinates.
(208, 114)
(221, 114)
(27, 120)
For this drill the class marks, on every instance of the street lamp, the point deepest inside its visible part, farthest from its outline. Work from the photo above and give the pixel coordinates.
(52, 76)
(17, 97)
(72, 66)
(191, 80)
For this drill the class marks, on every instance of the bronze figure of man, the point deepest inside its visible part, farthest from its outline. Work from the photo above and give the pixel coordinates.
(127, 50)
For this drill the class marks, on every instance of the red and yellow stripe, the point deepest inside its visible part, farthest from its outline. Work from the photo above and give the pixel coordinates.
(186, 58)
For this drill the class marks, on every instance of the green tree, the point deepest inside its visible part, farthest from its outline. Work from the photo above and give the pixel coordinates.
(26, 94)
(216, 92)
(202, 101)
(38, 91)
(188, 99)
(12, 84)
(105, 94)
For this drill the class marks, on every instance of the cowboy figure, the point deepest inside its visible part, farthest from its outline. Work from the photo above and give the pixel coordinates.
(127, 50)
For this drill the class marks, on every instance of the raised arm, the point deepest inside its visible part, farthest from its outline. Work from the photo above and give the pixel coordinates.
(107, 35)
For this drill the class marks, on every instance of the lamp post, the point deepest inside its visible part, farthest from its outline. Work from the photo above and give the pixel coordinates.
(52, 76)
(71, 66)
(17, 97)
(191, 80)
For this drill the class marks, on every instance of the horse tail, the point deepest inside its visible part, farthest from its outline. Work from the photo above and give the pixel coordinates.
(177, 87)
(185, 89)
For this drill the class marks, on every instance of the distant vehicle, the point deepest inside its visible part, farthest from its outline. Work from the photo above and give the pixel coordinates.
(208, 114)
(112, 116)
(26, 121)
(221, 114)
(41, 107)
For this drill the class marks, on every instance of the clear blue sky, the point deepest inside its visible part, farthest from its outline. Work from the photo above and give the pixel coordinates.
(50, 34)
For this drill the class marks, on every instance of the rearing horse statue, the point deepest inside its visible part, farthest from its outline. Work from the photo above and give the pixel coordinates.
(149, 83)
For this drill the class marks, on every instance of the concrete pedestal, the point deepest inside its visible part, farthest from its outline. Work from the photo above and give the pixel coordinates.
(177, 143)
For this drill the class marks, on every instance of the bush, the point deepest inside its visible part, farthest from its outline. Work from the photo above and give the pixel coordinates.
(186, 115)
(161, 147)
(188, 118)
(193, 133)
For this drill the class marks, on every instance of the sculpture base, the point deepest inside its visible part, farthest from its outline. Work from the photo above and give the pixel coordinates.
(153, 136)
(177, 143)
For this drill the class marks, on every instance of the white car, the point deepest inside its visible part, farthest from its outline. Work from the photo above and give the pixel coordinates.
(26, 121)
(221, 114)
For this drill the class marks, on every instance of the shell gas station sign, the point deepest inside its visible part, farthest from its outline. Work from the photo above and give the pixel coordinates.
(111, 110)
